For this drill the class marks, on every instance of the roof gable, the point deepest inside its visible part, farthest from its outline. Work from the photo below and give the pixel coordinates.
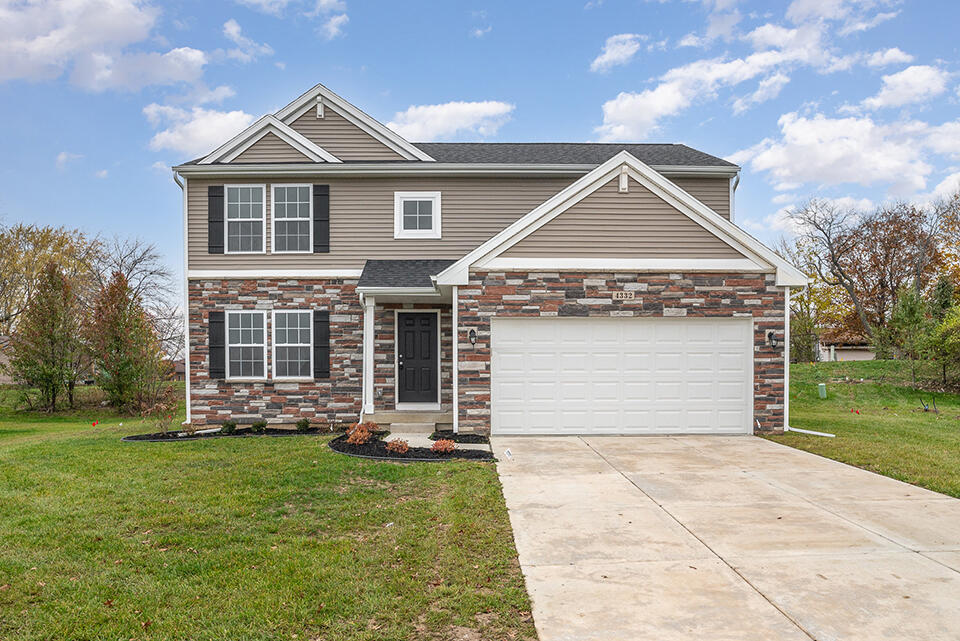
(270, 148)
(341, 137)
(268, 125)
(320, 97)
(625, 166)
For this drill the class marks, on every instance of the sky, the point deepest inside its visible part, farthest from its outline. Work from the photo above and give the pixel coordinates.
(850, 100)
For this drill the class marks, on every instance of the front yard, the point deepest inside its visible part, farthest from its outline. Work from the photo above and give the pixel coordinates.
(256, 538)
(891, 435)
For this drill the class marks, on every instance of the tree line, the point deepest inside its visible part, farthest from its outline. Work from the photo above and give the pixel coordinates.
(888, 276)
(78, 308)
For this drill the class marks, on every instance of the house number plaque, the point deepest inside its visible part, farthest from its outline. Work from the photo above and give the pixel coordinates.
(623, 295)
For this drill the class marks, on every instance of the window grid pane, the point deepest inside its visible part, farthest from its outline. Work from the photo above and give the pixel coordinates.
(293, 346)
(417, 215)
(245, 341)
(244, 219)
(291, 228)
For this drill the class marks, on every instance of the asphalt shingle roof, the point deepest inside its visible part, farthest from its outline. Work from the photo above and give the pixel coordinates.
(401, 273)
(574, 153)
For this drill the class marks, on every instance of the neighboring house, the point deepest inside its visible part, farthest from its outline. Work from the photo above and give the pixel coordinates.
(5, 378)
(337, 271)
(845, 346)
(176, 369)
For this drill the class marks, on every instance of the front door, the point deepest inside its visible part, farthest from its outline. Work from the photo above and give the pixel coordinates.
(417, 358)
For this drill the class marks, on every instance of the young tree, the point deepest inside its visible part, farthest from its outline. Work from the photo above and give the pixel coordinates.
(47, 348)
(126, 350)
(910, 327)
(946, 338)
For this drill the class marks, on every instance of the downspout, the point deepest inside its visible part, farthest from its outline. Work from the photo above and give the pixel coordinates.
(456, 359)
(182, 184)
(734, 183)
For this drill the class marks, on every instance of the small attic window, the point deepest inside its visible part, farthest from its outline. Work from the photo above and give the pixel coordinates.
(416, 214)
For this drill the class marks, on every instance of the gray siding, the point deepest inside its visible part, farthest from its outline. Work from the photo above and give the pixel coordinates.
(342, 138)
(361, 219)
(270, 148)
(608, 224)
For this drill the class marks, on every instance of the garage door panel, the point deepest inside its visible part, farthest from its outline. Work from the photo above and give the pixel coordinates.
(621, 376)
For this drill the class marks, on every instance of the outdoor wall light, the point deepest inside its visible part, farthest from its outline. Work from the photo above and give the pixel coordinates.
(772, 338)
(472, 336)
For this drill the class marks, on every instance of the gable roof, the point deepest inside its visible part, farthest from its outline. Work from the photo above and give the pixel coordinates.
(267, 125)
(387, 136)
(758, 253)
(568, 153)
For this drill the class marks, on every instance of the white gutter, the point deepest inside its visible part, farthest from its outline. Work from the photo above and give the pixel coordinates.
(186, 298)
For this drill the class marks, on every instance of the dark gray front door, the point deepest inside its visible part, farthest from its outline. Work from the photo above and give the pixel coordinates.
(417, 358)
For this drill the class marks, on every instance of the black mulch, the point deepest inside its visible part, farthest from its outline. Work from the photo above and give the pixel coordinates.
(177, 435)
(459, 438)
(377, 449)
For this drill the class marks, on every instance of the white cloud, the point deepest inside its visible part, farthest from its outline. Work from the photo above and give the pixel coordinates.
(202, 94)
(480, 32)
(854, 26)
(103, 173)
(691, 40)
(918, 83)
(946, 187)
(768, 89)
(334, 25)
(617, 50)
(194, 132)
(944, 139)
(246, 50)
(783, 199)
(134, 71)
(328, 6)
(274, 7)
(432, 122)
(160, 166)
(65, 157)
(892, 56)
(833, 151)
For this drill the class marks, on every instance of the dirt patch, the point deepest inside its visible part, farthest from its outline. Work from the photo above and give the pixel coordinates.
(377, 449)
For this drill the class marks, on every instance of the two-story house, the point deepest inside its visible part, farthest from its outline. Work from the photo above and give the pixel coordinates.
(336, 271)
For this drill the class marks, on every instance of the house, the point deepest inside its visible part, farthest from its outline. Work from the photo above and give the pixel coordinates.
(176, 369)
(843, 345)
(339, 272)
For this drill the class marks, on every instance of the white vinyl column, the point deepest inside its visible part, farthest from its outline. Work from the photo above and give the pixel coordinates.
(368, 308)
(456, 360)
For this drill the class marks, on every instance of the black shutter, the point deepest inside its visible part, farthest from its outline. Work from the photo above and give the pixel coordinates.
(321, 344)
(218, 348)
(321, 219)
(215, 219)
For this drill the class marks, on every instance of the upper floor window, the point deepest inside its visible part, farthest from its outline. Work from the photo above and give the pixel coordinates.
(292, 219)
(245, 228)
(416, 214)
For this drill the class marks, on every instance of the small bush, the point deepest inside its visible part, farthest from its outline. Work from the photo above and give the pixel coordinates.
(258, 427)
(189, 429)
(443, 446)
(303, 425)
(228, 427)
(361, 433)
(397, 446)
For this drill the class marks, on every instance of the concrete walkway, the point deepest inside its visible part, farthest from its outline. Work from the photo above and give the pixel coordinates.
(716, 538)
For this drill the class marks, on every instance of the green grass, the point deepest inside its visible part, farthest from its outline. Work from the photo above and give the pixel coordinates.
(891, 435)
(257, 538)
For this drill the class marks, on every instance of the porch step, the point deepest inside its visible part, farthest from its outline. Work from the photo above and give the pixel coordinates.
(414, 422)
(412, 428)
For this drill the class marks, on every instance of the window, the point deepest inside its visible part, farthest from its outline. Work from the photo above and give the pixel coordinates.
(292, 219)
(292, 344)
(245, 227)
(416, 214)
(246, 345)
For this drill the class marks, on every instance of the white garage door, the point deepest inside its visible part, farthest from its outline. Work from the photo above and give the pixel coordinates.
(622, 376)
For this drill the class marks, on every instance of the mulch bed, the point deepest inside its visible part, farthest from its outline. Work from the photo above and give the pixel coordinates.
(377, 449)
(177, 435)
(459, 438)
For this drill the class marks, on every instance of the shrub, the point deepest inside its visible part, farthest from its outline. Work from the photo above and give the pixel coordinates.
(189, 429)
(361, 433)
(397, 446)
(303, 425)
(443, 446)
(228, 427)
(259, 427)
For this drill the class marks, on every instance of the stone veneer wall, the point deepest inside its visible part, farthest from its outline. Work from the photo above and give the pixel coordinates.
(384, 363)
(566, 293)
(332, 400)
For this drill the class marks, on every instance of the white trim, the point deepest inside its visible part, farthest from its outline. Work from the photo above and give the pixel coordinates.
(787, 274)
(229, 151)
(400, 291)
(455, 364)
(436, 217)
(629, 264)
(786, 359)
(273, 345)
(396, 362)
(186, 299)
(369, 347)
(273, 218)
(198, 274)
(355, 116)
(226, 219)
(226, 342)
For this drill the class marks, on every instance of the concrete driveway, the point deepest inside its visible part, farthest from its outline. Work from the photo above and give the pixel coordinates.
(725, 538)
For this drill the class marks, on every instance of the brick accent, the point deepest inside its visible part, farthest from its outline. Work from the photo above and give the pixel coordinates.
(491, 294)
(333, 400)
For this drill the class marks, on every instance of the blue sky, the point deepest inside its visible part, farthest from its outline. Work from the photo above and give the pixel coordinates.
(845, 99)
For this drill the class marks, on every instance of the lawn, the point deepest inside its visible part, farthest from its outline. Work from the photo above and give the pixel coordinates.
(253, 538)
(891, 435)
